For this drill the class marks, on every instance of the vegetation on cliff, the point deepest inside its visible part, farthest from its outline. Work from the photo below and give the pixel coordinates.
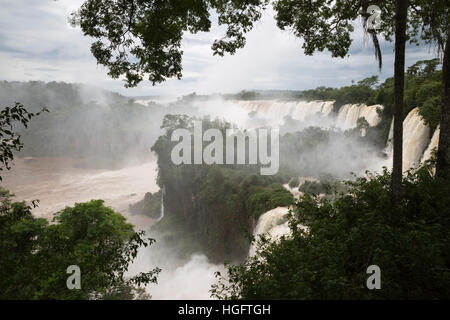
(344, 236)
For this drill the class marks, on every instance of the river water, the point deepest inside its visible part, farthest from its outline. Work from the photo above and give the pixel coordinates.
(61, 182)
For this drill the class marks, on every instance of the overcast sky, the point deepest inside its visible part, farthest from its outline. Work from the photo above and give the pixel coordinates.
(36, 43)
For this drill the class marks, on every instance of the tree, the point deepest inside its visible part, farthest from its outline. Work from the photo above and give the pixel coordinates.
(10, 140)
(399, 87)
(143, 37)
(344, 236)
(432, 19)
(18, 233)
(443, 157)
(35, 255)
(139, 38)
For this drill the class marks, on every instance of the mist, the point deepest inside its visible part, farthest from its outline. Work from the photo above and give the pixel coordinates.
(181, 278)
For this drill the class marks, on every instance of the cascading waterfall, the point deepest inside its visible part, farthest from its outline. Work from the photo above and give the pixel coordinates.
(350, 113)
(417, 146)
(274, 223)
(416, 138)
(298, 110)
(416, 135)
(162, 204)
(431, 146)
(347, 118)
(390, 142)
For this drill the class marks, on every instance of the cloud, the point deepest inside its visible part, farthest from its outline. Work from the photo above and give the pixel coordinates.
(36, 43)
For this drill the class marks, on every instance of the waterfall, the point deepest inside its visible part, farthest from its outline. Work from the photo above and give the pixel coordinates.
(298, 110)
(416, 134)
(349, 114)
(416, 137)
(370, 113)
(162, 205)
(431, 146)
(274, 223)
(390, 142)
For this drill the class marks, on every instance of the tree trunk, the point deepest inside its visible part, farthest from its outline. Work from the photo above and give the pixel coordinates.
(443, 154)
(399, 83)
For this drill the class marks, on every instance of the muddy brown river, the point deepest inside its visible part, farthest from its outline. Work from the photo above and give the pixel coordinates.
(61, 182)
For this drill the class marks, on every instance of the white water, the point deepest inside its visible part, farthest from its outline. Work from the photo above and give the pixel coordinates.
(162, 205)
(274, 224)
(298, 110)
(350, 113)
(184, 280)
(416, 135)
(417, 148)
(416, 138)
(431, 146)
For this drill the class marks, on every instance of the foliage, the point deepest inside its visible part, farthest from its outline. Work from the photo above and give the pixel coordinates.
(136, 39)
(262, 199)
(217, 204)
(35, 254)
(313, 188)
(126, 291)
(409, 242)
(327, 187)
(293, 183)
(424, 89)
(430, 20)
(361, 92)
(10, 140)
(139, 38)
(149, 206)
